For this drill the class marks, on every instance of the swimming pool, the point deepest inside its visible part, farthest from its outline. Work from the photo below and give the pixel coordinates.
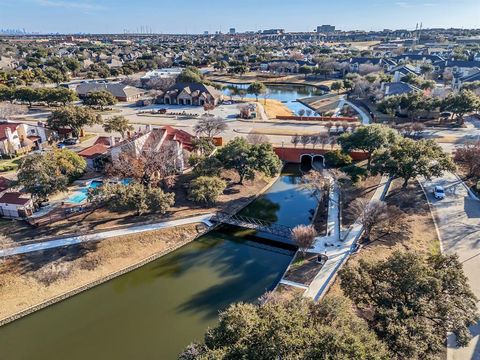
(81, 195)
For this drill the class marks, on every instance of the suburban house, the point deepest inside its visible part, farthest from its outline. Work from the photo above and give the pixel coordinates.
(399, 72)
(459, 68)
(384, 63)
(121, 91)
(16, 205)
(398, 88)
(92, 153)
(16, 138)
(191, 94)
(149, 139)
(458, 83)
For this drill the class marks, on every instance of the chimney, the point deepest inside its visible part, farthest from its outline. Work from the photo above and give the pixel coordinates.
(8, 132)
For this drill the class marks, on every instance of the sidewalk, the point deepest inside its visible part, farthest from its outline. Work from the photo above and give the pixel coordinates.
(103, 235)
(336, 249)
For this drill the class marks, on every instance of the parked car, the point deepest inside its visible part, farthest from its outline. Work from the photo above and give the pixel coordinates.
(71, 141)
(439, 193)
(61, 145)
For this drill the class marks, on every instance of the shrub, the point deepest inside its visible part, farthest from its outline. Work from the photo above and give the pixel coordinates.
(337, 158)
(355, 172)
(210, 166)
(52, 272)
(206, 189)
(304, 236)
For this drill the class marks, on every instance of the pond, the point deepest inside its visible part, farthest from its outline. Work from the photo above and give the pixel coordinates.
(287, 94)
(155, 311)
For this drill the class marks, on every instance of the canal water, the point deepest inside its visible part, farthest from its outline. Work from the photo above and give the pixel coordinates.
(155, 311)
(287, 94)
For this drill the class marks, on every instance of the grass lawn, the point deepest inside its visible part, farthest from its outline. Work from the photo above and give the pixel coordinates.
(10, 164)
(86, 137)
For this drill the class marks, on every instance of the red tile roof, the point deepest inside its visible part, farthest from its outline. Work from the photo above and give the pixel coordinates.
(93, 151)
(14, 198)
(180, 135)
(4, 127)
(105, 140)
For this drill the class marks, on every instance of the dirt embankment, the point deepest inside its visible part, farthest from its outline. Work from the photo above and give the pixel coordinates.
(31, 279)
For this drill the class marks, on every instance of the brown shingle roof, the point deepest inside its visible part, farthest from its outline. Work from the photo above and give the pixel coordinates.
(14, 198)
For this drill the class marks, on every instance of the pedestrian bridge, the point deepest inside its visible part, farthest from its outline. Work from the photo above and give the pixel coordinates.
(281, 231)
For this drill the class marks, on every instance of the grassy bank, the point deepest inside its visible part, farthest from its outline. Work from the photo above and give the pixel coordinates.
(31, 279)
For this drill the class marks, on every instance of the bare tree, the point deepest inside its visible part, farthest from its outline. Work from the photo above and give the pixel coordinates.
(374, 214)
(160, 83)
(150, 167)
(304, 140)
(210, 126)
(304, 237)
(365, 69)
(469, 157)
(314, 140)
(317, 183)
(256, 139)
(324, 139)
(295, 140)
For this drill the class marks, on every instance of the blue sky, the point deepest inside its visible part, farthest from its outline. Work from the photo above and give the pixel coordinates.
(194, 16)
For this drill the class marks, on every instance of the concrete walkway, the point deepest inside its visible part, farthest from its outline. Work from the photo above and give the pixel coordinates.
(458, 221)
(338, 247)
(23, 249)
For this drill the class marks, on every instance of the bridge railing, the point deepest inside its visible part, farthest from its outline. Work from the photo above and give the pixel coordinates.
(253, 223)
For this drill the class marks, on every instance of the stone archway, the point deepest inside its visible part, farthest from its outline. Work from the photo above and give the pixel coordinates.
(306, 162)
(318, 161)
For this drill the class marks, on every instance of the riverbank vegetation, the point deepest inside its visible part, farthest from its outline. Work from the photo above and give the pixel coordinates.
(287, 329)
(30, 279)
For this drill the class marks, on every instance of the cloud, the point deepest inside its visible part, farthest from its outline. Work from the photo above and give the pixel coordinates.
(79, 5)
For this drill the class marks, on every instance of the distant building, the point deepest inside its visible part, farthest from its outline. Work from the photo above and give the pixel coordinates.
(120, 91)
(161, 73)
(325, 29)
(232, 31)
(273, 32)
(191, 94)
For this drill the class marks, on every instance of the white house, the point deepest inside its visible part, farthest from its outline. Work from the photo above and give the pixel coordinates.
(16, 205)
(21, 138)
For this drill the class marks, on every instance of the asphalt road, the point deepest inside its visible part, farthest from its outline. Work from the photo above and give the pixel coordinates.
(458, 219)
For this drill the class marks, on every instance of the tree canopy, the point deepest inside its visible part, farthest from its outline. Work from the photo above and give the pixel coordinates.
(100, 99)
(73, 117)
(368, 139)
(206, 189)
(257, 88)
(247, 158)
(45, 174)
(407, 159)
(413, 301)
(118, 124)
(283, 329)
(132, 197)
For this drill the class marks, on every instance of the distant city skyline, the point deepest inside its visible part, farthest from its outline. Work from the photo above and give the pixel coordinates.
(109, 16)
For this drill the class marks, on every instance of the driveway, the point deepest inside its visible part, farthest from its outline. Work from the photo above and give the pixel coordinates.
(458, 218)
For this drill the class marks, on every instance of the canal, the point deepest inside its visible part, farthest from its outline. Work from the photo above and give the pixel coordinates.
(155, 311)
